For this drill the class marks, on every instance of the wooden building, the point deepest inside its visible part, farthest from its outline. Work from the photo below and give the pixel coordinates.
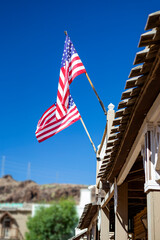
(128, 171)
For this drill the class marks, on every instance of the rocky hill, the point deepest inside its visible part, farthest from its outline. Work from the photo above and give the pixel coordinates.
(29, 191)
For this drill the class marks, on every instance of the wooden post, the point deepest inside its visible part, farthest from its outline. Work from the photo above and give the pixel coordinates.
(101, 103)
(150, 153)
(153, 215)
(104, 232)
(121, 216)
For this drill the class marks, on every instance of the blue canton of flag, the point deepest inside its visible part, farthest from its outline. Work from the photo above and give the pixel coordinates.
(69, 50)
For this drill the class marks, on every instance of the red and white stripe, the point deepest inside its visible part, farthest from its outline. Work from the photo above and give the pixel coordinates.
(48, 125)
(76, 67)
(72, 69)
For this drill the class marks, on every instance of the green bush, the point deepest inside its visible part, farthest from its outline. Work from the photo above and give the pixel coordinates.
(53, 223)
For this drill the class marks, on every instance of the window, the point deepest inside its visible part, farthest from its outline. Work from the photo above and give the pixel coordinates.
(6, 227)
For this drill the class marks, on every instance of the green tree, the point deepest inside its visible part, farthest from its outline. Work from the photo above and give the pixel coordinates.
(53, 223)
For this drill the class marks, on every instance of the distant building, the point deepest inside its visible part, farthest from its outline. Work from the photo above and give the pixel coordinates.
(13, 218)
(85, 197)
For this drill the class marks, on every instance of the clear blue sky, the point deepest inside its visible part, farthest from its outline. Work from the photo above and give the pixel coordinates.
(105, 35)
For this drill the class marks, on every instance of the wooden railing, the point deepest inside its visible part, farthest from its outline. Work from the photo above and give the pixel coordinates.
(112, 236)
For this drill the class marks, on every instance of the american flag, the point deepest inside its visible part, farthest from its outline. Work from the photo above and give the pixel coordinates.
(71, 67)
(48, 125)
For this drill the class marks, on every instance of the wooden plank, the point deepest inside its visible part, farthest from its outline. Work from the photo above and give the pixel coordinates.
(111, 143)
(138, 225)
(116, 142)
(147, 38)
(105, 161)
(136, 176)
(124, 119)
(141, 80)
(130, 83)
(133, 201)
(132, 92)
(120, 120)
(141, 56)
(127, 93)
(114, 129)
(146, 67)
(137, 194)
(153, 20)
(112, 136)
(127, 102)
(152, 53)
(123, 103)
(107, 156)
(117, 121)
(135, 81)
(122, 127)
(127, 111)
(135, 92)
(108, 149)
(157, 36)
(140, 70)
(136, 185)
(136, 71)
(103, 167)
(119, 113)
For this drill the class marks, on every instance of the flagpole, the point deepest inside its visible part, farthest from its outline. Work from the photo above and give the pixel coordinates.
(101, 103)
(88, 135)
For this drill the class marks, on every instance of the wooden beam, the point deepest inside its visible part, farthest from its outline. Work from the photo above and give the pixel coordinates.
(137, 175)
(136, 71)
(139, 195)
(141, 56)
(136, 185)
(153, 20)
(127, 102)
(132, 92)
(108, 196)
(147, 38)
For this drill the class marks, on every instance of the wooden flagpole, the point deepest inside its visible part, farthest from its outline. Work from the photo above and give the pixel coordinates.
(101, 103)
(88, 135)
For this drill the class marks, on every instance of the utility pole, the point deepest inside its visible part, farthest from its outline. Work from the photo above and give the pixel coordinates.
(57, 175)
(3, 165)
(29, 171)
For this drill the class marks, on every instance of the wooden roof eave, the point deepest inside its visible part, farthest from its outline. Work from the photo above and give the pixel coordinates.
(140, 75)
(143, 103)
(89, 212)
